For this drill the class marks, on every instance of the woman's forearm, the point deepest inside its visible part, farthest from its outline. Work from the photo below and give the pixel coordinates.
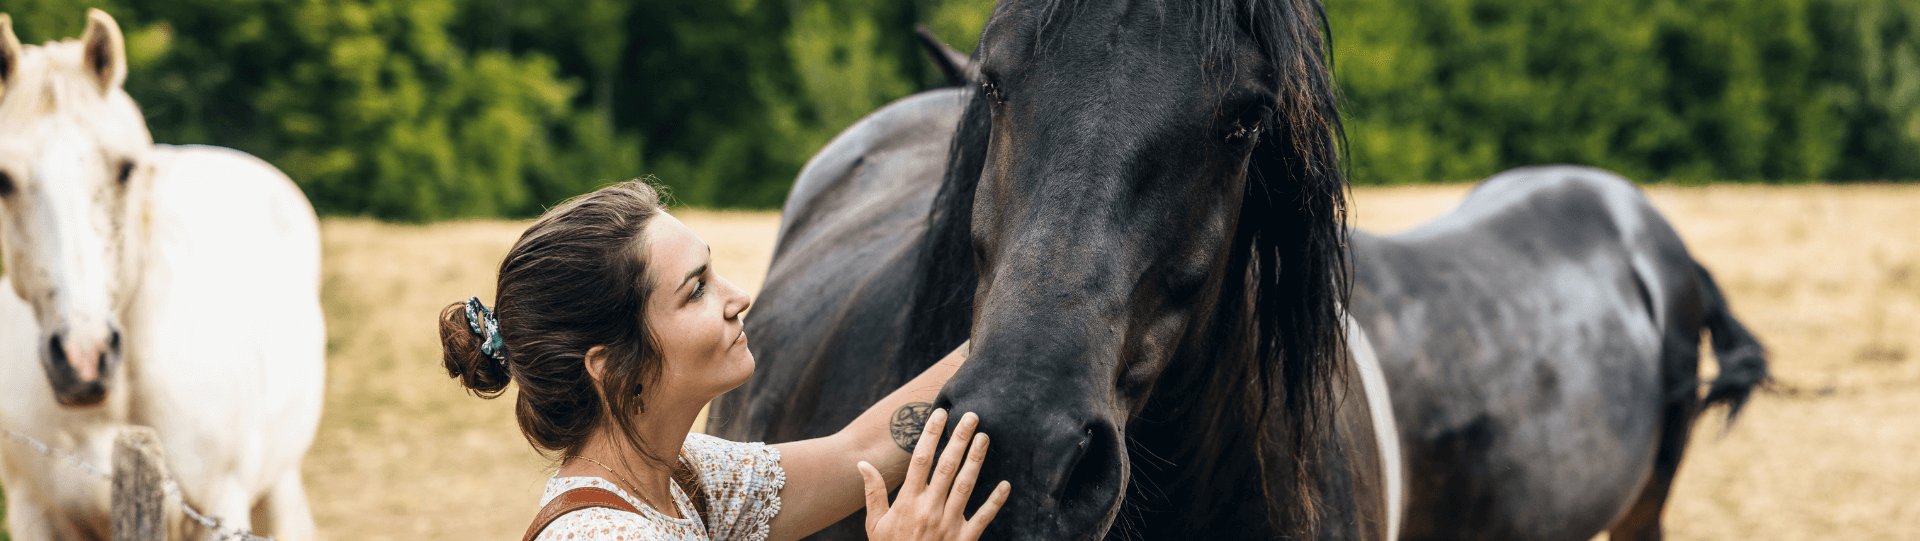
(823, 486)
(886, 432)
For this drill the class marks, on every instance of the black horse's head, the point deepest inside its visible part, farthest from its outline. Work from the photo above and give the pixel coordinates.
(1143, 209)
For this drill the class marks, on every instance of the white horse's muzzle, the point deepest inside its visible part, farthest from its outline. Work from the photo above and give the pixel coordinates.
(80, 369)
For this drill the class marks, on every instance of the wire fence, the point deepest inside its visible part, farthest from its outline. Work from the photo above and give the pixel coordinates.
(213, 524)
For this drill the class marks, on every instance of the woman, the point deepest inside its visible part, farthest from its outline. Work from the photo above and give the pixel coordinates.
(611, 319)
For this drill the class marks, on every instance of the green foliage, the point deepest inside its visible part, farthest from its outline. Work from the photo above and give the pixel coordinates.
(1874, 67)
(372, 106)
(434, 109)
(1759, 90)
(731, 97)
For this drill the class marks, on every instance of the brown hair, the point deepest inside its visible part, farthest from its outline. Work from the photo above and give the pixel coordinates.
(576, 279)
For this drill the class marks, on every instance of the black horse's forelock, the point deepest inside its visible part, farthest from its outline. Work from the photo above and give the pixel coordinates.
(1292, 236)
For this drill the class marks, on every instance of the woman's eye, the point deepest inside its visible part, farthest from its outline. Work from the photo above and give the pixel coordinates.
(699, 290)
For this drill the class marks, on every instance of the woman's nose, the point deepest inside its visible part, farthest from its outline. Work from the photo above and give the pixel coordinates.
(737, 299)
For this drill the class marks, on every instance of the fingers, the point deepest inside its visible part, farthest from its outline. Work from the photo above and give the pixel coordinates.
(969, 473)
(876, 486)
(935, 492)
(978, 524)
(956, 451)
(876, 489)
(923, 454)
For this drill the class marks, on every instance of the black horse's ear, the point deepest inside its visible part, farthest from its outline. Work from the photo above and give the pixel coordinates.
(958, 68)
(9, 53)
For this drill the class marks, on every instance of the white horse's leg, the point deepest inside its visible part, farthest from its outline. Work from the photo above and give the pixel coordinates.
(229, 504)
(25, 520)
(283, 512)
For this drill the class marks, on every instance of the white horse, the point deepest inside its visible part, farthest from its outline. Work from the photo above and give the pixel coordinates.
(169, 287)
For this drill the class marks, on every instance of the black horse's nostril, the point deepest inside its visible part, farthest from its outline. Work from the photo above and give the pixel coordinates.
(1095, 475)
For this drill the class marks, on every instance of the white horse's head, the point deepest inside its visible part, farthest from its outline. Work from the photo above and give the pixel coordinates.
(72, 197)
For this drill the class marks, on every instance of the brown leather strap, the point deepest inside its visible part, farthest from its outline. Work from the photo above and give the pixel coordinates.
(575, 500)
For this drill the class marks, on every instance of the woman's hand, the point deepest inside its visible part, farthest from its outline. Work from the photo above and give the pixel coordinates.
(930, 509)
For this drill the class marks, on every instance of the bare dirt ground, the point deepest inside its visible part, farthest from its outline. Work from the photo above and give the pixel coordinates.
(1828, 277)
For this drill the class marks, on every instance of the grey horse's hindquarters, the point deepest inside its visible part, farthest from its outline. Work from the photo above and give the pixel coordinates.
(1541, 343)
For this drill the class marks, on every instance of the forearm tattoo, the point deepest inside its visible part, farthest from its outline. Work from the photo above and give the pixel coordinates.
(907, 423)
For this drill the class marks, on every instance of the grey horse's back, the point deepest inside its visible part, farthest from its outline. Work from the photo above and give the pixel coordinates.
(829, 316)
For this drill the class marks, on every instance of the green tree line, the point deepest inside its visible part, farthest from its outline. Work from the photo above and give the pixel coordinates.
(1685, 90)
(437, 109)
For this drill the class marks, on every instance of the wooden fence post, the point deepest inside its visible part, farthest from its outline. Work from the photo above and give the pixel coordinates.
(139, 486)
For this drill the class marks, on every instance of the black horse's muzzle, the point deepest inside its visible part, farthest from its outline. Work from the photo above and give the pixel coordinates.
(1068, 471)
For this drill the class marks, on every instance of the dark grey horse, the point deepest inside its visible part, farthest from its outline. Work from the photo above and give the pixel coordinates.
(1542, 343)
(1137, 216)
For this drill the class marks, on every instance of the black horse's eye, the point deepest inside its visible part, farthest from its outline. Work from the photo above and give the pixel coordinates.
(1252, 120)
(992, 91)
(1247, 128)
(6, 184)
(126, 171)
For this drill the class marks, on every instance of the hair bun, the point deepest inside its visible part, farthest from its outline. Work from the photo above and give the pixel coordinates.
(460, 351)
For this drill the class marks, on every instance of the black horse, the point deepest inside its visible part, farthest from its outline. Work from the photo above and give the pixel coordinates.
(1542, 343)
(1137, 216)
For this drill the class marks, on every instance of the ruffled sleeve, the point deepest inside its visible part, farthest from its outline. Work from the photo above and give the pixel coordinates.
(743, 482)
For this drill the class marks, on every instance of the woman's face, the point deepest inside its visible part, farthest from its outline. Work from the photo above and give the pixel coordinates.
(694, 315)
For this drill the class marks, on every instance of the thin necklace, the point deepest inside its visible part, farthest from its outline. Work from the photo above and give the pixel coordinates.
(629, 484)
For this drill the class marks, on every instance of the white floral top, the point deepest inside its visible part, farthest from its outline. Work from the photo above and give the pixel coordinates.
(743, 482)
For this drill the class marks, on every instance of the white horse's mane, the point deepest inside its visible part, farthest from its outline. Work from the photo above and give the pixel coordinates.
(53, 78)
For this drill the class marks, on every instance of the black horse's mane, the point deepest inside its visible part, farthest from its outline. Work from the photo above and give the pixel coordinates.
(1291, 240)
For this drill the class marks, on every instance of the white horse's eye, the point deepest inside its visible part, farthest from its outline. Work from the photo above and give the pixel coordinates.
(6, 184)
(126, 171)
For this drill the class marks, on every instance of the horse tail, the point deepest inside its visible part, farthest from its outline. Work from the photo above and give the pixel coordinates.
(1743, 362)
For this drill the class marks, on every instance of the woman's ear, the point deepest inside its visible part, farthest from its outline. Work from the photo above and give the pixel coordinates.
(597, 363)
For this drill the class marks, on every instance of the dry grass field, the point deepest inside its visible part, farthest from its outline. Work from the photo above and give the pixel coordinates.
(1828, 277)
